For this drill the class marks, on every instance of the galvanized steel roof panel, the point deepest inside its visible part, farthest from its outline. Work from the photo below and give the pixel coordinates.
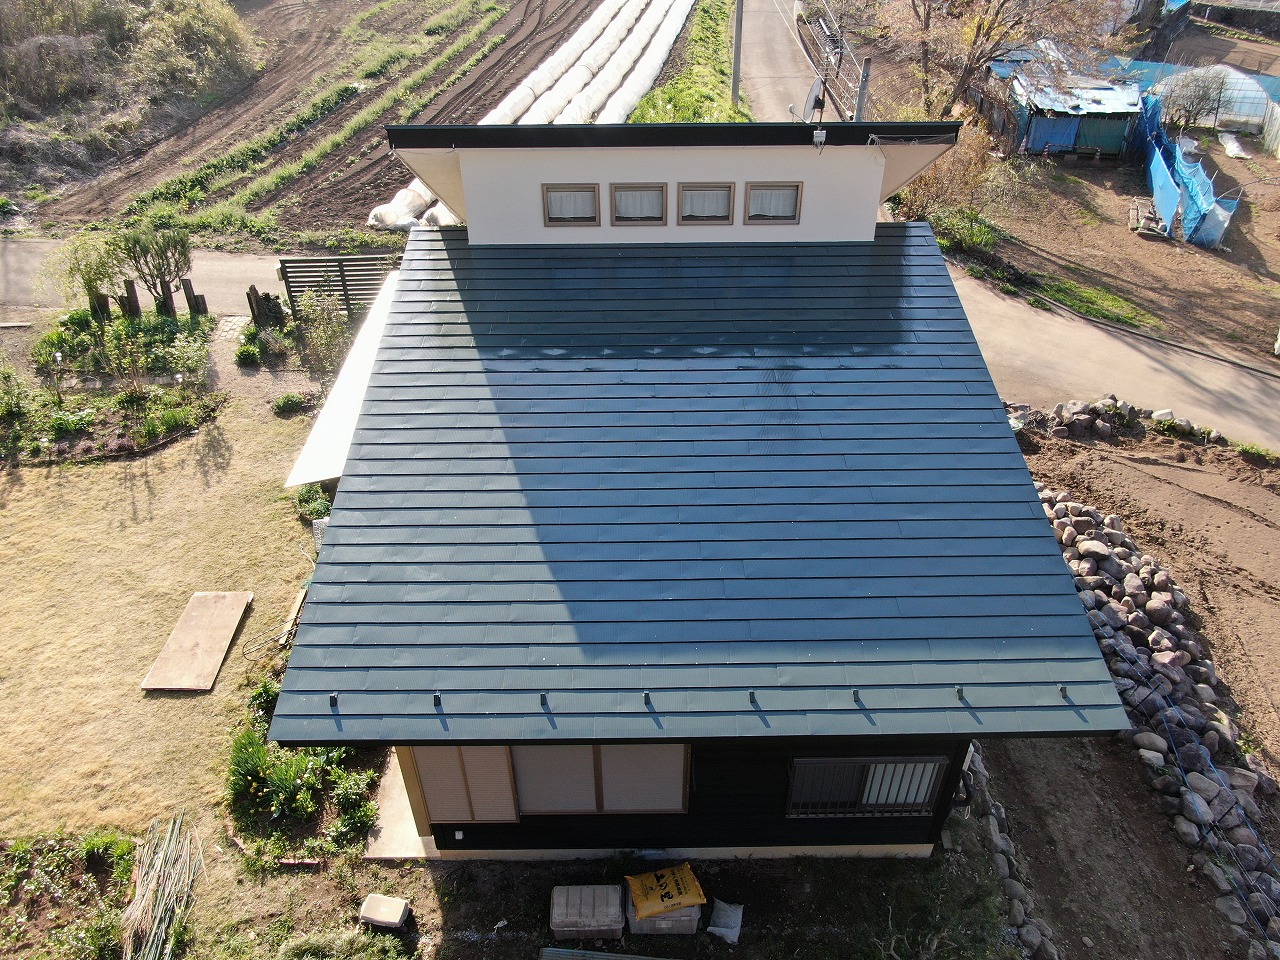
(698, 471)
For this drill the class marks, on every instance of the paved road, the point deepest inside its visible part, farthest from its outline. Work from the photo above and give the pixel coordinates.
(775, 70)
(1044, 358)
(223, 278)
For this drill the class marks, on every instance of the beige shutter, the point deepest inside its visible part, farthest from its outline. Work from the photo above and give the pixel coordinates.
(443, 784)
(466, 784)
(555, 778)
(488, 770)
(643, 777)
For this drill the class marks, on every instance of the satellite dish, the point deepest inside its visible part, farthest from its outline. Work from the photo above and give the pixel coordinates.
(812, 102)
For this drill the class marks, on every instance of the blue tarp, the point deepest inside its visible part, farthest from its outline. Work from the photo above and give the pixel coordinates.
(1197, 192)
(1165, 191)
(1180, 185)
(1056, 133)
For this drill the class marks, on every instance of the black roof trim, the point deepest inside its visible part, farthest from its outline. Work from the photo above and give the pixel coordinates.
(507, 136)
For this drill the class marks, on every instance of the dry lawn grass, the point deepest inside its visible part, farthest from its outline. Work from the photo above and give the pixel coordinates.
(99, 561)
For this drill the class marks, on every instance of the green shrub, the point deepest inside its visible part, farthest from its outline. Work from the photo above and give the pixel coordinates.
(353, 825)
(148, 432)
(64, 423)
(177, 419)
(58, 340)
(350, 788)
(262, 701)
(7, 207)
(311, 502)
(960, 231)
(290, 404)
(14, 394)
(109, 851)
(275, 782)
(247, 355)
(1039, 303)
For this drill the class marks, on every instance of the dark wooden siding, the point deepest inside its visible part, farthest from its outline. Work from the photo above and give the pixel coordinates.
(737, 798)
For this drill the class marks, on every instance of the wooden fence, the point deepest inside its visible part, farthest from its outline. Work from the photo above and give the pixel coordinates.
(355, 281)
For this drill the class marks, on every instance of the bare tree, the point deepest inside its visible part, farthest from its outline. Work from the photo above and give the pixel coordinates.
(1193, 96)
(953, 43)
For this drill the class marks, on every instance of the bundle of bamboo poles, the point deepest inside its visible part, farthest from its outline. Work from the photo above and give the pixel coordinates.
(166, 865)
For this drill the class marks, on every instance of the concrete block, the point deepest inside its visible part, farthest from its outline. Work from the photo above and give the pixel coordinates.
(384, 911)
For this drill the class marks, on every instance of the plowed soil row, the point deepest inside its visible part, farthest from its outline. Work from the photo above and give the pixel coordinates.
(303, 43)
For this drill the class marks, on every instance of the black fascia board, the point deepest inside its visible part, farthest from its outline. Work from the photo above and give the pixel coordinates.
(510, 136)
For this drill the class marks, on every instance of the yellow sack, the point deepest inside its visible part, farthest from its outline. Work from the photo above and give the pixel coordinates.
(665, 890)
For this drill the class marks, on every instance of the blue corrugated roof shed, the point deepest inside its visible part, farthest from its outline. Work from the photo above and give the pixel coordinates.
(587, 473)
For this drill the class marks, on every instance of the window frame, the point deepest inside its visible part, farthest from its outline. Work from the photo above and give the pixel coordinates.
(772, 184)
(680, 217)
(863, 771)
(550, 188)
(614, 221)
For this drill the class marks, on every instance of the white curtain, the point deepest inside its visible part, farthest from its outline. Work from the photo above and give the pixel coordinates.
(571, 204)
(638, 203)
(705, 203)
(773, 203)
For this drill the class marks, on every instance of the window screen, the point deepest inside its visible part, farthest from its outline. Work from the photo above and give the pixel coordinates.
(642, 777)
(555, 778)
(706, 203)
(635, 203)
(568, 204)
(773, 202)
(850, 787)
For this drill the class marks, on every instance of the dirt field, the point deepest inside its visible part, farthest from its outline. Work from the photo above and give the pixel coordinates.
(1103, 857)
(342, 188)
(1227, 301)
(1201, 44)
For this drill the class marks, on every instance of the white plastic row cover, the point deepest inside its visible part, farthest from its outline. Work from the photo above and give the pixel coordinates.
(552, 103)
(583, 107)
(515, 104)
(641, 79)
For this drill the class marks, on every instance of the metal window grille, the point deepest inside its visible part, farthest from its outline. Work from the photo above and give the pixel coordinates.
(852, 787)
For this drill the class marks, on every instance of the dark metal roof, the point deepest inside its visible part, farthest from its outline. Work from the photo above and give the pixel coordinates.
(504, 135)
(702, 472)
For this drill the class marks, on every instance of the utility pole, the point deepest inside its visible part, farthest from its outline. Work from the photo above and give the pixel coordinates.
(863, 84)
(737, 51)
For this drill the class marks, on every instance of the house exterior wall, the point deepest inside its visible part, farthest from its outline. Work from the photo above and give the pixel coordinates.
(841, 192)
(737, 796)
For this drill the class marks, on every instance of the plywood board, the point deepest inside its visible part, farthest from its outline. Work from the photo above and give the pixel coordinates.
(192, 657)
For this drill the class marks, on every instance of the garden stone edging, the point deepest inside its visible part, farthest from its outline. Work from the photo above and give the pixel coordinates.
(1187, 743)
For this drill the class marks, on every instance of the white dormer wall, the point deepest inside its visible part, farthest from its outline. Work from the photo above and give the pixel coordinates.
(502, 196)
